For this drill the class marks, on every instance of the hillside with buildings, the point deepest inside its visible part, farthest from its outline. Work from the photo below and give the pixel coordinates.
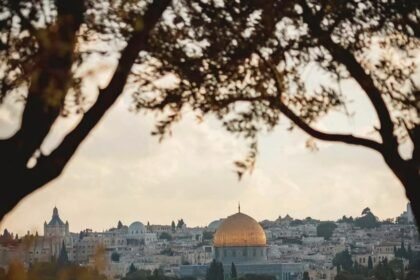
(286, 248)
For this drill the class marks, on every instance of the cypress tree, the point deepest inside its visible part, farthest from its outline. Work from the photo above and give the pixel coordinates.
(403, 251)
(132, 268)
(233, 273)
(63, 258)
(370, 263)
(215, 271)
(409, 254)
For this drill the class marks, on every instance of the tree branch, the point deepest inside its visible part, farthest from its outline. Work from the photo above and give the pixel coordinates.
(332, 137)
(52, 165)
(48, 87)
(346, 58)
(345, 138)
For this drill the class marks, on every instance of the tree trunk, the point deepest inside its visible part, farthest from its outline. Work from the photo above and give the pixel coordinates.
(408, 174)
(18, 180)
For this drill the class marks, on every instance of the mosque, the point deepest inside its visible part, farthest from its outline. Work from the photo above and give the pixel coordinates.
(241, 240)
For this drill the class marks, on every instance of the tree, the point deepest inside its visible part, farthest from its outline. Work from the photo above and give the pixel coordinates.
(132, 268)
(242, 66)
(296, 222)
(51, 270)
(403, 252)
(115, 257)
(120, 225)
(370, 263)
(180, 223)
(252, 276)
(409, 253)
(344, 219)
(384, 271)
(208, 235)
(173, 226)
(215, 271)
(41, 59)
(366, 211)
(157, 273)
(63, 258)
(343, 261)
(138, 274)
(166, 236)
(305, 276)
(367, 220)
(260, 67)
(233, 273)
(325, 229)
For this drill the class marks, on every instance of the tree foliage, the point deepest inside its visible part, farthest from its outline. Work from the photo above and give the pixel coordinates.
(325, 229)
(165, 236)
(241, 61)
(46, 49)
(370, 262)
(233, 272)
(63, 258)
(115, 257)
(384, 271)
(50, 271)
(180, 224)
(367, 220)
(251, 276)
(343, 261)
(215, 271)
(244, 62)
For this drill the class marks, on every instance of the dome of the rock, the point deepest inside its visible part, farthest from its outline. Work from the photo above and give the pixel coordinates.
(239, 230)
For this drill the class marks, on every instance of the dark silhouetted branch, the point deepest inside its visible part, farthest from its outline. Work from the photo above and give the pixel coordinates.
(53, 164)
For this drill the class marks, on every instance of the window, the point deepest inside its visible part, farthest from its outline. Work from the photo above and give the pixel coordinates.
(255, 252)
(233, 253)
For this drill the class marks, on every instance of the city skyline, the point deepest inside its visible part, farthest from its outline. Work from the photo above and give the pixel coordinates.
(113, 224)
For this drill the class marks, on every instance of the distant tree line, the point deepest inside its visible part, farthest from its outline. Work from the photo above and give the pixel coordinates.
(216, 271)
(384, 270)
(56, 269)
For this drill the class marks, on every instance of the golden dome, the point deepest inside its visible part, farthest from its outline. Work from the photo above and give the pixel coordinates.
(239, 230)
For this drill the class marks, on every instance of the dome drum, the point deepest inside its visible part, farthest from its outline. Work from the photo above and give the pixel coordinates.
(249, 254)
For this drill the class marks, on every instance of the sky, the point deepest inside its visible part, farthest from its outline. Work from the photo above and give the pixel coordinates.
(121, 172)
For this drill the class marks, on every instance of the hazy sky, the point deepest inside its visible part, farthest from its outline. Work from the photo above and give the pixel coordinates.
(122, 173)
